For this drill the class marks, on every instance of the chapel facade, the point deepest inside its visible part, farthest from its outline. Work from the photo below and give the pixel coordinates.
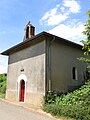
(41, 63)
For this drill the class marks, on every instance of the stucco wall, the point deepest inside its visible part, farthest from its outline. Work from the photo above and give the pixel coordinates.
(45, 69)
(32, 61)
(63, 59)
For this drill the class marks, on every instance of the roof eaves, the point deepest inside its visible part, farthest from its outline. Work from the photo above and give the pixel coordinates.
(25, 43)
(21, 45)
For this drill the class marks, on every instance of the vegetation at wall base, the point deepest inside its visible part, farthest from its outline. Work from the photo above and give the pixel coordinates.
(3, 78)
(73, 105)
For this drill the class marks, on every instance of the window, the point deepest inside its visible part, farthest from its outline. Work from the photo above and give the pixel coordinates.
(74, 73)
(32, 30)
(27, 32)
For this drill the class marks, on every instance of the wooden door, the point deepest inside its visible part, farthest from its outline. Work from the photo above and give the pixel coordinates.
(22, 90)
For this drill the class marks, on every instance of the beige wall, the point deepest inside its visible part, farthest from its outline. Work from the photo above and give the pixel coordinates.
(45, 69)
(32, 60)
(63, 59)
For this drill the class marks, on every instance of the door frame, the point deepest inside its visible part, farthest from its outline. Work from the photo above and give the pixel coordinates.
(22, 88)
(21, 77)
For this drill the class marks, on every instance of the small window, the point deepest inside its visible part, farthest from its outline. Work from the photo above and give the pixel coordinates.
(32, 30)
(27, 32)
(74, 73)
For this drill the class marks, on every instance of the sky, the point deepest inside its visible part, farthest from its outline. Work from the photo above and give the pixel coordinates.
(64, 18)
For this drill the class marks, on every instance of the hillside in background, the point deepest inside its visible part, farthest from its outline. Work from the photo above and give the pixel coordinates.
(3, 78)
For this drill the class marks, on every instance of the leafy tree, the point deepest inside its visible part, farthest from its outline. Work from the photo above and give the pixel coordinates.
(86, 43)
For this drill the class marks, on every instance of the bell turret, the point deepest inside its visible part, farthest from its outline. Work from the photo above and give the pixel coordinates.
(29, 31)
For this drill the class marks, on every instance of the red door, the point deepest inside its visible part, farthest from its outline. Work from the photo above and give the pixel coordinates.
(22, 90)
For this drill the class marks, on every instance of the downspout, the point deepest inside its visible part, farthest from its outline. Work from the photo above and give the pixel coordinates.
(49, 64)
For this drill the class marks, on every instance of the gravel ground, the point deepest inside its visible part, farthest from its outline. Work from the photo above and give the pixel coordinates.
(13, 112)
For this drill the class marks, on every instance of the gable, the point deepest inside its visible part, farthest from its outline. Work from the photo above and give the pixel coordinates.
(29, 52)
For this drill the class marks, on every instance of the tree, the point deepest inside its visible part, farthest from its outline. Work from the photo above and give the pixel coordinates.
(86, 43)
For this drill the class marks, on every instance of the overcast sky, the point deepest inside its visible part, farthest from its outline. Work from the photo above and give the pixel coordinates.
(64, 18)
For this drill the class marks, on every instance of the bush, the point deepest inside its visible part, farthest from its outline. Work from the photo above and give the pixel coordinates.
(75, 104)
(51, 96)
(3, 78)
(77, 112)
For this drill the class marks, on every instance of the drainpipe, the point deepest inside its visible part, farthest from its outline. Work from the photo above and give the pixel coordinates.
(49, 64)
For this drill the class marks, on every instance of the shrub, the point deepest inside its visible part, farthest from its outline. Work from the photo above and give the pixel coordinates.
(3, 78)
(77, 112)
(51, 96)
(75, 104)
(53, 109)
